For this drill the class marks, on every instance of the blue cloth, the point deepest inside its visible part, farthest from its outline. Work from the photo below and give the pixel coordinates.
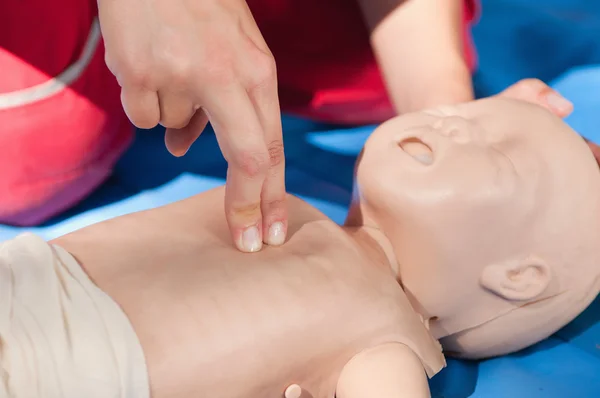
(516, 39)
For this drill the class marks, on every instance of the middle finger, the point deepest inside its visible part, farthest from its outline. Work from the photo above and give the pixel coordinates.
(241, 138)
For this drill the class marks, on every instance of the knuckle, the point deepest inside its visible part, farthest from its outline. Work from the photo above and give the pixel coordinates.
(274, 204)
(276, 153)
(265, 72)
(533, 81)
(131, 66)
(252, 163)
(219, 71)
(138, 77)
(181, 72)
(244, 211)
(531, 84)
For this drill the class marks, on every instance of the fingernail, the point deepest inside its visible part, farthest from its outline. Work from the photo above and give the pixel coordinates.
(251, 241)
(276, 234)
(558, 102)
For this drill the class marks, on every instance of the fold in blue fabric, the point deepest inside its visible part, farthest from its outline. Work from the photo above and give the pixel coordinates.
(516, 39)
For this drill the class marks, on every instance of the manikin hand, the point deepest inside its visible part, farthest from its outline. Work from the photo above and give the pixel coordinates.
(182, 63)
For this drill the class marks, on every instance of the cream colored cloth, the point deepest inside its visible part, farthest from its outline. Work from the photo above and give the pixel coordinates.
(60, 335)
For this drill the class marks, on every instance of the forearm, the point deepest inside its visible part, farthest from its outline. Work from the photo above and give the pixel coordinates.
(419, 47)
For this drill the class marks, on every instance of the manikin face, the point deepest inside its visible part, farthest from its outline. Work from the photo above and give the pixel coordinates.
(491, 208)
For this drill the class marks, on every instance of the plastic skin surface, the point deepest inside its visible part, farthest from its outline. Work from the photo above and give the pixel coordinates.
(475, 221)
(491, 208)
(214, 321)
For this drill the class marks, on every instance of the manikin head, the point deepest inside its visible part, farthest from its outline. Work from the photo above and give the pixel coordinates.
(491, 208)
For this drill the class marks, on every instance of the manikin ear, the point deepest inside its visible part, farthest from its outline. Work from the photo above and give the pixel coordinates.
(520, 280)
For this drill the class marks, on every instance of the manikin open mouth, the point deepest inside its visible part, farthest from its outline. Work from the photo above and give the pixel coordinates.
(418, 150)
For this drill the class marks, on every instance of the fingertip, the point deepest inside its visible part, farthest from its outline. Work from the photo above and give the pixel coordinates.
(177, 145)
(249, 239)
(558, 104)
(276, 234)
(179, 141)
(274, 209)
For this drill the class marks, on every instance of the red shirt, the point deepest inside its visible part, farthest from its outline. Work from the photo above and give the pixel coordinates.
(326, 68)
(59, 147)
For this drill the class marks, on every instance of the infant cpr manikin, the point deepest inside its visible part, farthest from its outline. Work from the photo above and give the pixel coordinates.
(472, 225)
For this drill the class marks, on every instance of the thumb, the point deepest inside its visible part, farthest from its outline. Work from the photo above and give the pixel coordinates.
(537, 92)
(179, 141)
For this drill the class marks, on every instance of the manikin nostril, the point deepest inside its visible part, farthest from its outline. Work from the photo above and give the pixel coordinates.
(416, 148)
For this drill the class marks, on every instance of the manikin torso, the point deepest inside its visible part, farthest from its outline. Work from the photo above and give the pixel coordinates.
(497, 179)
(229, 324)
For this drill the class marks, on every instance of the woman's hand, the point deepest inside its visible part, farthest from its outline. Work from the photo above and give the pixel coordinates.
(182, 63)
(538, 92)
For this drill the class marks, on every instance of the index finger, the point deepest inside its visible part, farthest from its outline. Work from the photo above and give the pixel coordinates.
(241, 139)
(273, 200)
(260, 78)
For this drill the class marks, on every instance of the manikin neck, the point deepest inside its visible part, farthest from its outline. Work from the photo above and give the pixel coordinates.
(377, 246)
(366, 232)
(369, 236)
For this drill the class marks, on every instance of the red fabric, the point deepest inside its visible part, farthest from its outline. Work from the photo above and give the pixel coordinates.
(55, 151)
(40, 38)
(326, 68)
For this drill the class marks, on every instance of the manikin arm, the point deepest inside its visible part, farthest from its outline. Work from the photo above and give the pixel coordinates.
(386, 371)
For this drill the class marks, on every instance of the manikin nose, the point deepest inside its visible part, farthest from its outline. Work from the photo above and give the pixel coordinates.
(457, 128)
(416, 148)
